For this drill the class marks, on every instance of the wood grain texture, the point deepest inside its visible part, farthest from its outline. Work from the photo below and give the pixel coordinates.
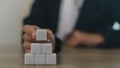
(11, 56)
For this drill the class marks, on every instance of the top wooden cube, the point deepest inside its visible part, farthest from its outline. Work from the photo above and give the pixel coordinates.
(41, 35)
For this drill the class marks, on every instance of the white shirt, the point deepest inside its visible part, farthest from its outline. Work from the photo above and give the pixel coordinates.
(69, 11)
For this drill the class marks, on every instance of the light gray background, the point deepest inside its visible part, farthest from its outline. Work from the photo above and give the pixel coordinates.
(12, 12)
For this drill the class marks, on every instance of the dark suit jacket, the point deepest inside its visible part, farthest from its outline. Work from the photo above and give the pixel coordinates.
(97, 16)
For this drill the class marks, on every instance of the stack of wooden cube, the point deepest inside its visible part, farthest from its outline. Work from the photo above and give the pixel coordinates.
(41, 52)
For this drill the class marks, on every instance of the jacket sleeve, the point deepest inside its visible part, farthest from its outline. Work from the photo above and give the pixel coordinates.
(112, 37)
(37, 15)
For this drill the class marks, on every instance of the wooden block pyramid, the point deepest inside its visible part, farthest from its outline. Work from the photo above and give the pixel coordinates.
(41, 53)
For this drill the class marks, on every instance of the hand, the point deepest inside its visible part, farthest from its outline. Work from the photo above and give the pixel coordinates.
(93, 40)
(88, 39)
(30, 36)
(76, 38)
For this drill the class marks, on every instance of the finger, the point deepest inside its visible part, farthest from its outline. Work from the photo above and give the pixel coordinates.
(75, 39)
(26, 45)
(35, 26)
(34, 36)
(27, 51)
(34, 33)
(51, 37)
(72, 42)
(90, 43)
(30, 30)
(26, 37)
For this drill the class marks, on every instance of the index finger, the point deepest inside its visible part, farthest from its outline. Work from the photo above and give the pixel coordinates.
(30, 29)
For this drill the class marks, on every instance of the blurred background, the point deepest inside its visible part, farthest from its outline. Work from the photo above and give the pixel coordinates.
(12, 13)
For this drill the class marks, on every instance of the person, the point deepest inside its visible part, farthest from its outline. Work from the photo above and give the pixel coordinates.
(85, 23)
